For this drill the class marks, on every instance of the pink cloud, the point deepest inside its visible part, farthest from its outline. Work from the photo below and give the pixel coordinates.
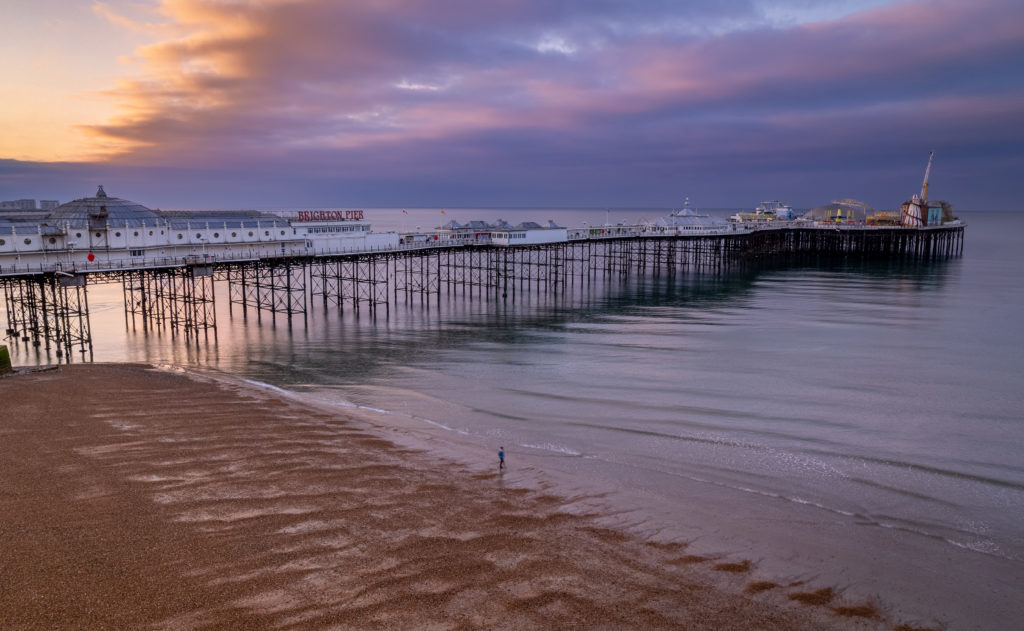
(302, 81)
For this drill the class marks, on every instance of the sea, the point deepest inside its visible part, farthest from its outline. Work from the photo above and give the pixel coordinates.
(858, 425)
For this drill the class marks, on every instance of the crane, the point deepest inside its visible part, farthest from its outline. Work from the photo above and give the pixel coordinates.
(924, 185)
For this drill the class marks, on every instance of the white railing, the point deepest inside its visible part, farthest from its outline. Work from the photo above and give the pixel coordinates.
(132, 263)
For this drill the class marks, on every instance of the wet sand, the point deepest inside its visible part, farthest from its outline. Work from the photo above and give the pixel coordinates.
(137, 498)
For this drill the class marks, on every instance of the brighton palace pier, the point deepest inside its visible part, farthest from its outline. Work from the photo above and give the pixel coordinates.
(170, 262)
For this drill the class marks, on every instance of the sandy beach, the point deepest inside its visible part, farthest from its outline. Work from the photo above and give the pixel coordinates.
(132, 497)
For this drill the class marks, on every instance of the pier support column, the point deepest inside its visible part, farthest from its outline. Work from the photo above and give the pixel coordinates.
(182, 298)
(275, 286)
(49, 310)
(361, 280)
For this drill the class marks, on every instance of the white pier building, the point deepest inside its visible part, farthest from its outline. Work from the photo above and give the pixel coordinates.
(103, 231)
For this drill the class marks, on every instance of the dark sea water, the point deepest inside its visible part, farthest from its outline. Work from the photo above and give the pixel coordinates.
(853, 425)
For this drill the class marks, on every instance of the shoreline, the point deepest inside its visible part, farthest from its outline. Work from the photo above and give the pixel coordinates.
(904, 573)
(140, 496)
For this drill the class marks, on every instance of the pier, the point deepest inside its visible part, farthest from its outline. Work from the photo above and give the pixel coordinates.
(47, 304)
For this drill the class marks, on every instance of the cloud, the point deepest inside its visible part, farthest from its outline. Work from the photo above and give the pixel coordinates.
(446, 88)
(555, 44)
(118, 18)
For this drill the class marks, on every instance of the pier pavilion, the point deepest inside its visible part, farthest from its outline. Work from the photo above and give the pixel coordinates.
(110, 231)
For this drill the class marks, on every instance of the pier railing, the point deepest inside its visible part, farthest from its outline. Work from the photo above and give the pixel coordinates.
(407, 244)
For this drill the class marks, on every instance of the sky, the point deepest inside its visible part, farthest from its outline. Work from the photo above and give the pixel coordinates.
(512, 103)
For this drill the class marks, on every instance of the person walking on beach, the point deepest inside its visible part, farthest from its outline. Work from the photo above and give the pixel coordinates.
(501, 458)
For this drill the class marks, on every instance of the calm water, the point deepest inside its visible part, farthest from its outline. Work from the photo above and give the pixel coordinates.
(858, 426)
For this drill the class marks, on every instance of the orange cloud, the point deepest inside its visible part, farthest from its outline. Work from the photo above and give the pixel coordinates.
(279, 76)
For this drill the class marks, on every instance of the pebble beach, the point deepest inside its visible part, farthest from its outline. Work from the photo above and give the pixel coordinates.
(133, 497)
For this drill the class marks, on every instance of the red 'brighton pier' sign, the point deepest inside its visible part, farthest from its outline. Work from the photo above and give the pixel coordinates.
(329, 215)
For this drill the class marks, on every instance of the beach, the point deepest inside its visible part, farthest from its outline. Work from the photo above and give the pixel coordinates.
(135, 497)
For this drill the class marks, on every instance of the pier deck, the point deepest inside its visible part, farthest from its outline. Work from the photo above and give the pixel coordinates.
(47, 304)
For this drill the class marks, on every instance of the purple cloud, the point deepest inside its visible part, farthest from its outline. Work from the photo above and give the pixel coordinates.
(576, 103)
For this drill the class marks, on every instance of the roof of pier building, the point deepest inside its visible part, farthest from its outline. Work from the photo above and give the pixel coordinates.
(500, 224)
(842, 209)
(16, 226)
(121, 213)
(689, 217)
(221, 218)
(20, 221)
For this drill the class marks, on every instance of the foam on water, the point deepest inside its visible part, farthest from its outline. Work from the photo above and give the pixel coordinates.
(558, 449)
(267, 386)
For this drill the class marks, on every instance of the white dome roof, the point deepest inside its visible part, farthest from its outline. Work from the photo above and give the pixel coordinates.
(117, 212)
